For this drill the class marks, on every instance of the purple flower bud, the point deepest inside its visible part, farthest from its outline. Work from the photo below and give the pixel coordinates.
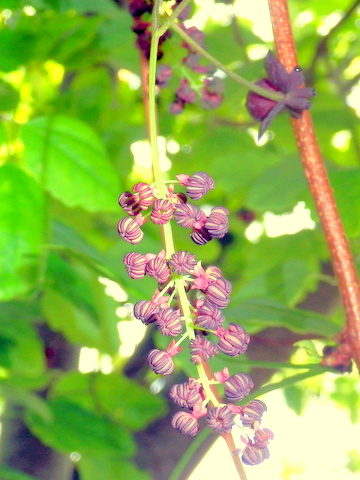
(188, 215)
(145, 194)
(209, 316)
(135, 264)
(169, 322)
(129, 230)
(262, 437)
(198, 185)
(252, 412)
(162, 211)
(129, 203)
(158, 269)
(218, 292)
(247, 216)
(186, 423)
(253, 455)
(200, 236)
(213, 273)
(214, 85)
(259, 107)
(163, 75)
(233, 341)
(139, 7)
(161, 362)
(201, 349)
(238, 387)
(182, 262)
(176, 107)
(296, 97)
(210, 101)
(217, 222)
(145, 311)
(185, 93)
(196, 35)
(192, 61)
(188, 394)
(220, 419)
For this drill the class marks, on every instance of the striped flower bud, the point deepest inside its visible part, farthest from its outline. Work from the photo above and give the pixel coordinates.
(186, 423)
(220, 419)
(188, 394)
(234, 340)
(129, 203)
(209, 316)
(182, 262)
(158, 269)
(135, 264)
(129, 230)
(198, 185)
(212, 273)
(218, 292)
(146, 311)
(201, 349)
(200, 236)
(169, 322)
(253, 455)
(161, 362)
(162, 211)
(217, 223)
(252, 412)
(145, 195)
(188, 215)
(262, 437)
(238, 387)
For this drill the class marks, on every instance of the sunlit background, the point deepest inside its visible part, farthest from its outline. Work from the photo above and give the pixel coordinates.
(322, 443)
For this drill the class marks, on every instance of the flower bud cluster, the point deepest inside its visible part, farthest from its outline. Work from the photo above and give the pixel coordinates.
(141, 11)
(202, 322)
(175, 205)
(255, 450)
(208, 88)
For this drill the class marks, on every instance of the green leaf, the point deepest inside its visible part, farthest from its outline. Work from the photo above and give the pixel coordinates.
(7, 473)
(347, 396)
(296, 398)
(347, 194)
(309, 347)
(69, 157)
(90, 314)
(353, 461)
(258, 313)
(109, 469)
(19, 395)
(9, 97)
(21, 232)
(24, 355)
(73, 429)
(121, 399)
(264, 193)
(16, 48)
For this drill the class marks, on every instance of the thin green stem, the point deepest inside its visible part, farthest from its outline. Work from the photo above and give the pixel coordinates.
(170, 20)
(286, 382)
(153, 121)
(276, 96)
(186, 312)
(153, 129)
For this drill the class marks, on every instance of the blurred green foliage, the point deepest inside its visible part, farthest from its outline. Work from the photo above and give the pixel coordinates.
(70, 110)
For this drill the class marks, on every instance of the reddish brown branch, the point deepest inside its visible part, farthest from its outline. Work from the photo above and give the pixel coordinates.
(321, 190)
